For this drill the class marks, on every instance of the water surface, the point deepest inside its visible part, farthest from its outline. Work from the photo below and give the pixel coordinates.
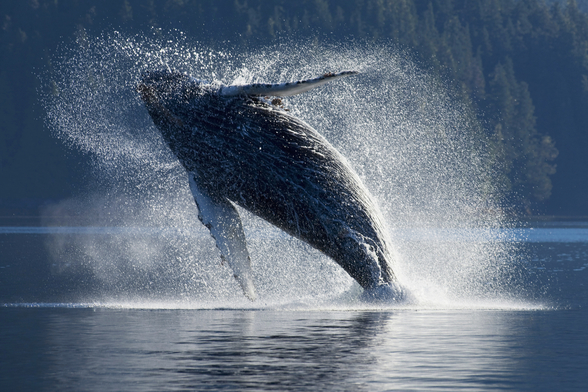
(535, 342)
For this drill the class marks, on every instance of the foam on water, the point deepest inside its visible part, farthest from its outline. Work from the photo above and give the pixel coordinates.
(418, 151)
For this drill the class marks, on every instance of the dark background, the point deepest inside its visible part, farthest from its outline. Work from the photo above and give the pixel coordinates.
(522, 65)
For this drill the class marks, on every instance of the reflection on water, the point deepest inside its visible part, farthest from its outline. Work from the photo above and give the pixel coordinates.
(109, 349)
(333, 344)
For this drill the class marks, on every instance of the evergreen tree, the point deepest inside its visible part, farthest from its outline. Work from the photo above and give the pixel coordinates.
(523, 64)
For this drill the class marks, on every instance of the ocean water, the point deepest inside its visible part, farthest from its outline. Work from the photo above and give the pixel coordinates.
(122, 288)
(70, 330)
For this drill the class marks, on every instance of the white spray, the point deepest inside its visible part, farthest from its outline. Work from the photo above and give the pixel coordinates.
(419, 153)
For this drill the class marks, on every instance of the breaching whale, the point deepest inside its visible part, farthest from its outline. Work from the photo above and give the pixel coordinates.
(241, 148)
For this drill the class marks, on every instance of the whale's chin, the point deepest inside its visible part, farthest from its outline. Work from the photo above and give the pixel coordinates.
(388, 293)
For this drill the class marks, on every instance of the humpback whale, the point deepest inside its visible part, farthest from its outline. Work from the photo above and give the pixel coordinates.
(239, 147)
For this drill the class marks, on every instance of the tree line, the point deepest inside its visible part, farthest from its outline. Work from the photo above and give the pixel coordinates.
(521, 64)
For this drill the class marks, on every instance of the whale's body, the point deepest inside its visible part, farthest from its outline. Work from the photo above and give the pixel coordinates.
(240, 149)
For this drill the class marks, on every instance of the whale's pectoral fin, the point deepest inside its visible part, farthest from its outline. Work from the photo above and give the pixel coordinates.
(222, 219)
(283, 89)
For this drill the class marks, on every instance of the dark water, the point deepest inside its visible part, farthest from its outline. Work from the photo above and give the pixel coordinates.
(123, 349)
(58, 332)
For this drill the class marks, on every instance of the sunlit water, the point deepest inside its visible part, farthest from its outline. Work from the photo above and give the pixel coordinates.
(122, 288)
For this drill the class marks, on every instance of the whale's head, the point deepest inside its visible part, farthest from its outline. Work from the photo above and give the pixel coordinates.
(168, 87)
(168, 94)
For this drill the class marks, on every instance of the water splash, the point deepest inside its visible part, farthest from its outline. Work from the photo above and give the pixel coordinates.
(419, 152)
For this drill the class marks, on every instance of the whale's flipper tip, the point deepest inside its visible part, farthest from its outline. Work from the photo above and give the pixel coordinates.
(283, 89)
(247, 285)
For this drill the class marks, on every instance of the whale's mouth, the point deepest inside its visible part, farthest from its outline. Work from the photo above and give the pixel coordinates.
(147, 93)
(154, 81)
(158, 87)
(150, 91)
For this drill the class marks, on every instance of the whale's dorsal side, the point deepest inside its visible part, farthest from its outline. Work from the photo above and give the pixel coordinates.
(282, 89)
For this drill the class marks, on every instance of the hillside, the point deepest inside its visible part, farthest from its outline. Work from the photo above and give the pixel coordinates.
(521, 64)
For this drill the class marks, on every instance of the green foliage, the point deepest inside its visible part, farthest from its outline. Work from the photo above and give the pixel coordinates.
(522, 64)
(524, 153)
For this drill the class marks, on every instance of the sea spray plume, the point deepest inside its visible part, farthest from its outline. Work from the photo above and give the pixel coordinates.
(237, 147)
(415, 148)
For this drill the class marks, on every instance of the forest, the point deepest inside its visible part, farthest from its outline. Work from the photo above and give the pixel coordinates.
(521, 65)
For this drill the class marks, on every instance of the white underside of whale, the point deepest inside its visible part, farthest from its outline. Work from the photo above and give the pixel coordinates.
(224, 223)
